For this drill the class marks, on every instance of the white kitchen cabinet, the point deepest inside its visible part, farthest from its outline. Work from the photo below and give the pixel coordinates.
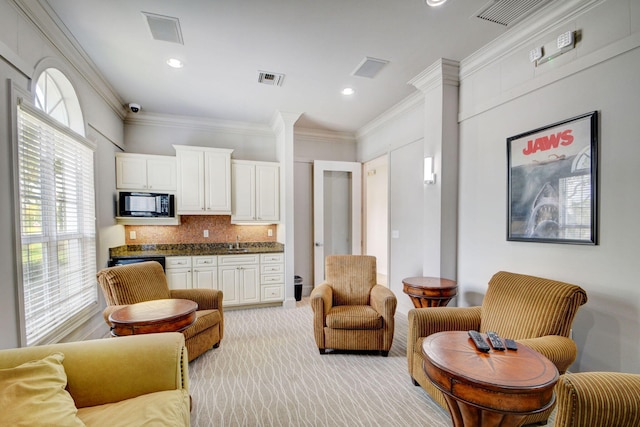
(272, 277)
(203, 180)
(178, 272)
(197, 272)
(255, 191)
(145, 172)
(238, 279)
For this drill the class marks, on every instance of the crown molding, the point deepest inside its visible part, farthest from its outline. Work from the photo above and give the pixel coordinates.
(410, 102)
(321, 135)
(442, 72)
(45, 20)
(197, 123)
(520, 36)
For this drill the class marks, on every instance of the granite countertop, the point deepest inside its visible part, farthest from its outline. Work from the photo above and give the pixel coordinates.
(194, 249)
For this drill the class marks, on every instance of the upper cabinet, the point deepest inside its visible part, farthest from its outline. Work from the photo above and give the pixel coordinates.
(145, 172)
(203, 180)
(255, 191)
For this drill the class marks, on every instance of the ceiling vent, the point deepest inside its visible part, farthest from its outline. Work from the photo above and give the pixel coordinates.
(506, 12)
(165, 28)
(269, 78)
(369, 67)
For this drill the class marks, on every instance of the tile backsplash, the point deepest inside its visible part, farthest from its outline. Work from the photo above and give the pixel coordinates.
(191, 230)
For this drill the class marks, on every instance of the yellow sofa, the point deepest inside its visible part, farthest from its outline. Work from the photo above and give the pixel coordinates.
(128, 381)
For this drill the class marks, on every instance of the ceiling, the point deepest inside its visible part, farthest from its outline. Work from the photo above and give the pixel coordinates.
(316, 44)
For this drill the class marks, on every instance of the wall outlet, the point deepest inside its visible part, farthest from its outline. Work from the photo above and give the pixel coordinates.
(270, 232)
(132, 235)
(205, 233)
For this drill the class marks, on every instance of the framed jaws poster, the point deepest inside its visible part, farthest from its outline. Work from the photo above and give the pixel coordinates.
(552, 180)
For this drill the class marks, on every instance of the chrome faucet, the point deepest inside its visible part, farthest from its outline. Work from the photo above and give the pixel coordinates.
(237, 242)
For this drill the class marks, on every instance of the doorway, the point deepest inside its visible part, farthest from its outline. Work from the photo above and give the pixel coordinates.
(376, 214)
(337, 211)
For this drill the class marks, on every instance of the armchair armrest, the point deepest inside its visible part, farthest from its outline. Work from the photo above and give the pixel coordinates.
(426, 321)
(108, 310)
(562, 351)
(598, 399)
(384, 301)
(114, 369)
(321, 300)
(207, 299)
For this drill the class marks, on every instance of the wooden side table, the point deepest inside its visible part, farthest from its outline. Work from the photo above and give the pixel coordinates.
(163, 315)
(429, 291)
(498, 388)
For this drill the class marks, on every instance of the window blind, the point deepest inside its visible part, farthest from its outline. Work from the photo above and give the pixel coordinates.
(57, 227)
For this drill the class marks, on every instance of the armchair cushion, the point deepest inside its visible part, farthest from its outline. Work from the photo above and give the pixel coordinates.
(35, 391)
(354, 317)
(598, 399)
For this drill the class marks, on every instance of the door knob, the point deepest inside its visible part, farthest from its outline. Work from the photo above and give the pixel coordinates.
(318, 244)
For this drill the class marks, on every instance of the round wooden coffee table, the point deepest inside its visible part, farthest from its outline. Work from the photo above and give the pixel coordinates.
(498, 388)
(163, 315)
(429, 291)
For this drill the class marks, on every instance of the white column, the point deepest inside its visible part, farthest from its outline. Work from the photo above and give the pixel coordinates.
(439, 84)
(282, 126)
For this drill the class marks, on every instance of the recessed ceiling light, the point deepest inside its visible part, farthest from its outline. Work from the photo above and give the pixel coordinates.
(174, 63)
(433, 3)
(348, 91)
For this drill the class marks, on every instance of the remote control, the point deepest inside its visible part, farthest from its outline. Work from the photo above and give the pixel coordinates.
(495, 340)
(479, 342)
(510, 344)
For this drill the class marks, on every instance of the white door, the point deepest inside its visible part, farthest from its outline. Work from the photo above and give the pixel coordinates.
(337, 211)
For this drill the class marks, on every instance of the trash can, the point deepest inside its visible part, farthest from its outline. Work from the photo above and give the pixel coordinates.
(297, 283)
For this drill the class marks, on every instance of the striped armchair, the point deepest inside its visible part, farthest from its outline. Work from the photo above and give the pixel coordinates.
(533, 311)
(133, 283)
(350, 310)
(598, 399)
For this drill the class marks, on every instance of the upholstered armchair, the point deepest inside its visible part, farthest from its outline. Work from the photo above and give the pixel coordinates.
(533, 311)
(133, 283)
(350, 310)
(598, 399)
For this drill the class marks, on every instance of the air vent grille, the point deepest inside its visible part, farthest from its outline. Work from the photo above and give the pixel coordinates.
(271, 79)
(165, 28)
(506, 12)
(369, 67)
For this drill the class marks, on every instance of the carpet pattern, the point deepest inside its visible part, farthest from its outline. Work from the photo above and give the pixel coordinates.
(268, 372)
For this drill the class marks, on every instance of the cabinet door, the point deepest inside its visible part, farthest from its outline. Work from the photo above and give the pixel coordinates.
(267, 193)
(190, 192)
(249, 284)
(179, 278)
(243, 191)
(229, 284)
(131, 173)
(205, 278)
(161, 174)
(217, 182)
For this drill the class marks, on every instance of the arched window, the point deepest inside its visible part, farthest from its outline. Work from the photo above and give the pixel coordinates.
(56, 97)
(57, 212)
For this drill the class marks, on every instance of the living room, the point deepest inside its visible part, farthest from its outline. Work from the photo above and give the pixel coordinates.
(461, 221)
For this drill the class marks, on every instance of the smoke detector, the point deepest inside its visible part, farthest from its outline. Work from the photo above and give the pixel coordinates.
(270, 79)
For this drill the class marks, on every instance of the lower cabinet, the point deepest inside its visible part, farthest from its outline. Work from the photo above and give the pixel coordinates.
(238, 279)
(192, 272)
(243, 279)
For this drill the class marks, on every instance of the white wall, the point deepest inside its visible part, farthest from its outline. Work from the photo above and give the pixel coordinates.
(502, 94)
(24, 52)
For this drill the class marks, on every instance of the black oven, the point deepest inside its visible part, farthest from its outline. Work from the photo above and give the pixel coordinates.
(132, 260)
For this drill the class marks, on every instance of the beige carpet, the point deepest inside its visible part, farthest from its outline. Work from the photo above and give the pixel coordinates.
(268, 372)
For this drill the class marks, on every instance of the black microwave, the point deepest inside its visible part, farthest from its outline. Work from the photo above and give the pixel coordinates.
(146, 205)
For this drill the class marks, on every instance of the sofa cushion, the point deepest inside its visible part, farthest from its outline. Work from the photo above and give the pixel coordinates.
(33, 394)
(354, 317)
(162, 408)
